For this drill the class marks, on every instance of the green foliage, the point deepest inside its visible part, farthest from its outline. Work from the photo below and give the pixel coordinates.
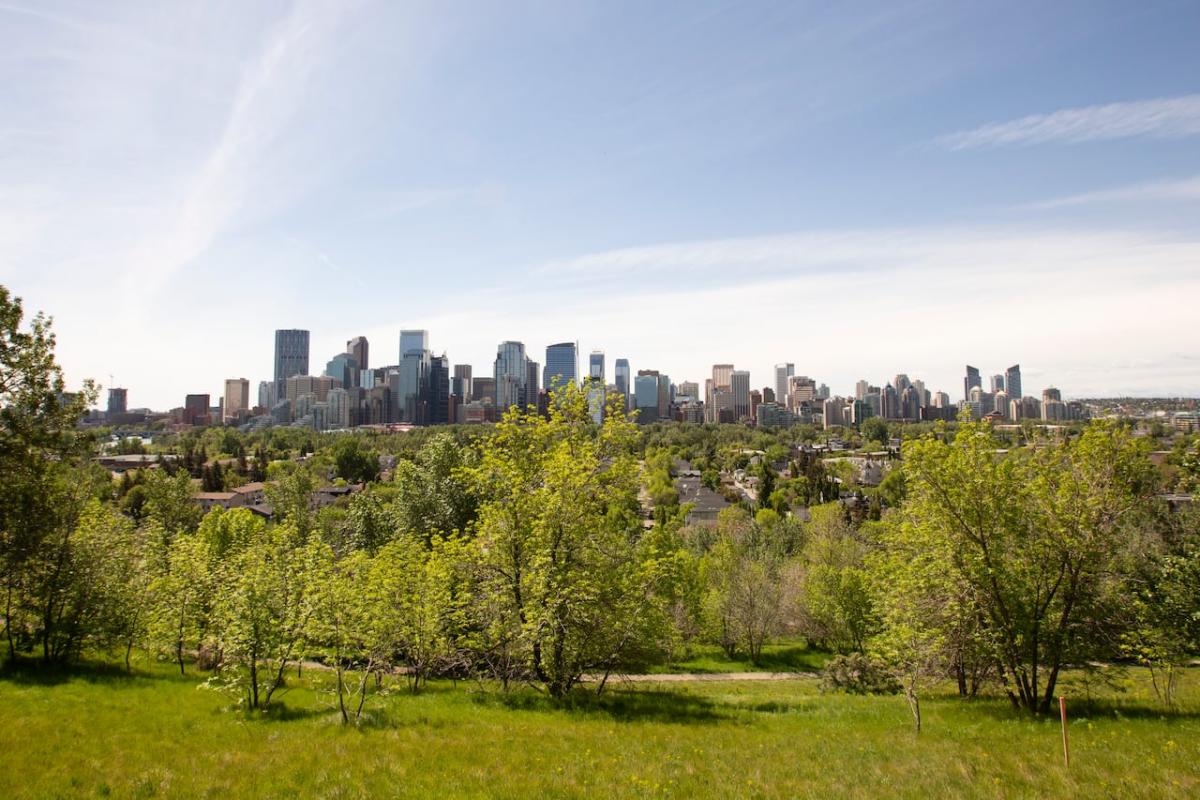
(857, 673)
(433, 494)
(354, 461)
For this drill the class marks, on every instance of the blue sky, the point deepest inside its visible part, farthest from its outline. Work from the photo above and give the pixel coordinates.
(861, 189)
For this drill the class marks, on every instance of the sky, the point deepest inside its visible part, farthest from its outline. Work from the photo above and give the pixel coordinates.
(861, 189)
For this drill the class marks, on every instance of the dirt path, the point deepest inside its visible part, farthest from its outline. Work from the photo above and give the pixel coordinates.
(689, 677)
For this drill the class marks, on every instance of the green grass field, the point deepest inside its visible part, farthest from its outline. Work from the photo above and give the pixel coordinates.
(97, 732)
(787, 656)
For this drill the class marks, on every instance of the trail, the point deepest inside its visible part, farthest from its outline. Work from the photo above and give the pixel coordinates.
(689, 677)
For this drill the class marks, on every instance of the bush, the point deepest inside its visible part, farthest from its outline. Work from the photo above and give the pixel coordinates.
(858, 674)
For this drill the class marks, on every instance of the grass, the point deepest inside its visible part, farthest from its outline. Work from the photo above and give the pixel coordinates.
(95, 732)
(786, 656)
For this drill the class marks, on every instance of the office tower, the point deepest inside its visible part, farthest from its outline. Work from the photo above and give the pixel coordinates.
(739, 384)
(413, 340)
(688, 389)
(823, 392)
(316, 385)
(358, 349)
(997, 382)
(344, 367)
(768, 394)
(664, 397)
(971, 381)
(861, 390)
(439, 390)
(266, 395)
(195, 409)
(782, 373)
(922, 393)
(595, 400)
(561, 365)
(1000, 404)
(596, 365)
(721, 374)
(801, 388)
(531, 390)
(510, 373)
(237, 398)
(624, 386)
(291, 357)
(756, 399)
(1012, 382)
(337, 409)
(941, 400)
(116, 401)
(645, 390)
(413, 386)
(889, 403)
(900, 383)
(1051, 394)
(910, 405)
(483, 389)
(460, 387)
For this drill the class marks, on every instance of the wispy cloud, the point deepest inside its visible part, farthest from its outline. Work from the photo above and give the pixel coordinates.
(1167, 117)
(1186, 189)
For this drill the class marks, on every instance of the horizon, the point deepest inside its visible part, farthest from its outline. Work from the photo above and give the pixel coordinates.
(859, 192)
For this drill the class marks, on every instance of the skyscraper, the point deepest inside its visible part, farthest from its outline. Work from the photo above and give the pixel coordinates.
(622, 379)
(116, 401)
(997, 382)
(971, 381)
(782, 373)
(461, 385)
(739, 383)
(413, 340)
(510, 372)
(596, 365)
(646, 396)
(561, 365)
(344, 368)
(721, 374)
(439, 390)
(861, 390)
(237, 398)
(1012, 382)
(358, 349)
(529, 395)
(413, 402)
(291, 357)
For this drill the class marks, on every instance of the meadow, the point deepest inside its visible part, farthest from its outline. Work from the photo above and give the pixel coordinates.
(97, 731)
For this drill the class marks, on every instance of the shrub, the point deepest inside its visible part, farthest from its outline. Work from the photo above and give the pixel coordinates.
(858, 674)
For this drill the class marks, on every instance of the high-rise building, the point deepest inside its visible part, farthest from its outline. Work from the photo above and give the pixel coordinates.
(510, 371)
(739, 384)
(801, 388)
(1012, 382)
(721, 375)
(413, 340)
(646, 396)
(624, 387)
(971, 381)
(439, 390)
(337, 409)
(1050, 393)
(195, 409)
(237, 398)
(689, 390)
(529, 396)
(900, 383)
(266, 395)
(756, 399)
(291, 357)
(596, 365)
(413, 402)
(117, 403)
(358, 349)
(345, 368)
(782, 373)
(460, 387)
(861, 390)
(562, 362)
(997, 382)
(316, 385)
(483, 390)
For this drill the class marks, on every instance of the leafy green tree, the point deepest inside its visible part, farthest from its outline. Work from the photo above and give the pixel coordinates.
(1035, 540)
(354, 461)
(433, 493)
(290, 495)
(875, 429)
(559, 541)
(170, 503)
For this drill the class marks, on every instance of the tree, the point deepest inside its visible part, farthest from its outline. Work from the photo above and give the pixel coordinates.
(1034, 540)
(261, 613)
(433, 494)
(170, 503)
(290, 495)
(40, 453)
(559, 540)
(875, 429)
(834, 599)
(354, 461)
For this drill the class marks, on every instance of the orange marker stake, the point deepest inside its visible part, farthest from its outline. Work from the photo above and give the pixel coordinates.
(1062, 712)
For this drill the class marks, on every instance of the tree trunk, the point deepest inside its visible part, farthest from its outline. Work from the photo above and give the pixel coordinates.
(914, 705)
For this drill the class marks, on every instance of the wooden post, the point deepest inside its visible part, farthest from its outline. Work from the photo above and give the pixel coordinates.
(1062, 712)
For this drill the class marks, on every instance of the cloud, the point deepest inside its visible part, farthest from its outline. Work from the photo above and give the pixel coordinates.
(1186, 189)
(1167, 117)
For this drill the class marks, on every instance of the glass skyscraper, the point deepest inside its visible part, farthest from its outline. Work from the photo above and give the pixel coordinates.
(596, 365)
(622, 380)
(511, 373)
(562, 361)
(413, 340)
(291, 357)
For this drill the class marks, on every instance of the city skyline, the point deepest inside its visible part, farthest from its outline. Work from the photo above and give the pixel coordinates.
(854, 190)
